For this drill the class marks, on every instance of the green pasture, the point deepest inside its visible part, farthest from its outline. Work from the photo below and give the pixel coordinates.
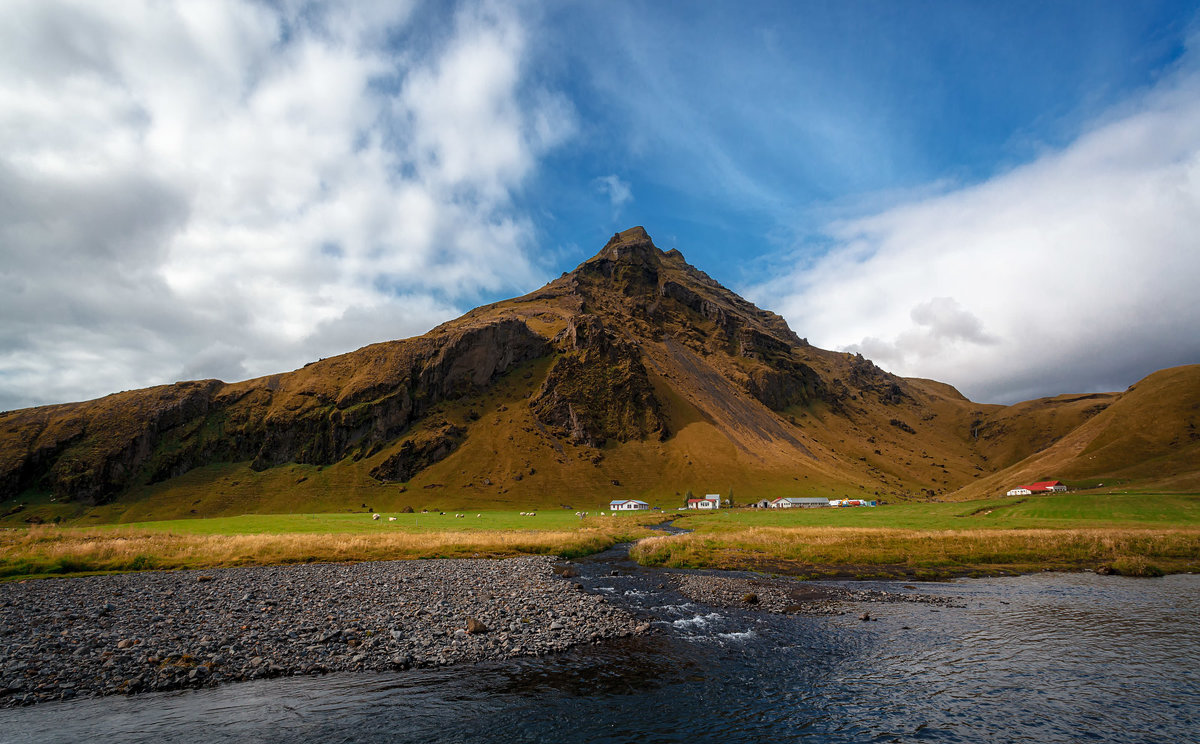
(1054, 511)
(361, 523)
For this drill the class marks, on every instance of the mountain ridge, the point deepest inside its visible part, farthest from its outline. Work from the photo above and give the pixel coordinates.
(636, 374)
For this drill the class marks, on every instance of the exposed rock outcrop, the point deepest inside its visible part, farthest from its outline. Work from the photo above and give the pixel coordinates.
(348, 406)
(598, 389)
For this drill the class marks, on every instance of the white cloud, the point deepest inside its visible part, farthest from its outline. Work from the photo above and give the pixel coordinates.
(235, 188)
(619, 192)
(1074, 272)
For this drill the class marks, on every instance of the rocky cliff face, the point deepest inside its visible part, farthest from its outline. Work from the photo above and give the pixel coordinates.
(348, 406)
(598, 389)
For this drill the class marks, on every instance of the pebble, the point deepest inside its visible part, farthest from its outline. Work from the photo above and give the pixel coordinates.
(151, 631)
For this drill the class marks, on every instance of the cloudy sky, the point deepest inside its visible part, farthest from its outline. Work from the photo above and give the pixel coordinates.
(1002, 196)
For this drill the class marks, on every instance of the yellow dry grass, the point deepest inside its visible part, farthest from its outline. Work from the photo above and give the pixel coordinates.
(866, 551)
(53, 551)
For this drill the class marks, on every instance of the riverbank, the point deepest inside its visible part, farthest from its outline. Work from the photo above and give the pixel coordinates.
(127, 633)
(49, 550)
(886, 553)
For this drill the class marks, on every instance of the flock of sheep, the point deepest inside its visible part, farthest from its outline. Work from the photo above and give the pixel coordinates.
(581, 515)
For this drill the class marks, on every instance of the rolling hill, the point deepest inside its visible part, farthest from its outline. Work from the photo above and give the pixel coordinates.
(635, 376)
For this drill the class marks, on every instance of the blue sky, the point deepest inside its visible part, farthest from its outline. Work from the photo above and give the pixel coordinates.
(1002, 196)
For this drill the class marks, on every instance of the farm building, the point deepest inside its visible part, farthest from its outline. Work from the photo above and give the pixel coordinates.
(854, 502)
(806, 502)
(710, 501)
(627, 505)
(1055, 486)
(1039, 487)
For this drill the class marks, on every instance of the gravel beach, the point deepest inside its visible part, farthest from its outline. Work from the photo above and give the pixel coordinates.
(101, 635)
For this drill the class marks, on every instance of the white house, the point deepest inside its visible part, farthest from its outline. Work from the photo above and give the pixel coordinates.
(627, 505)
(1019, 491)
(710, 501)
(807, 502)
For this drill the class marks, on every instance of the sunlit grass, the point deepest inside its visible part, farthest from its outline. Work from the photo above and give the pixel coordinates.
(49, 550)
(927, 553)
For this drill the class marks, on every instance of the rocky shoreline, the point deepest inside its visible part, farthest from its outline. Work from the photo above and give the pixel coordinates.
(128, 633)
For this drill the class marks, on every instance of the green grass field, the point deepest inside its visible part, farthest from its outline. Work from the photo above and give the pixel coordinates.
(1137, 534)
(261, 539)
(1142, 534)
(360, 524)
(1058, 511)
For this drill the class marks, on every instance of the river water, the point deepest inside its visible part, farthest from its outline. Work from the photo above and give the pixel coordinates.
(1041, 658)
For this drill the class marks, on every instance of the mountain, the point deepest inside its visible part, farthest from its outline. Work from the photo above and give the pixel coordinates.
(635, 375)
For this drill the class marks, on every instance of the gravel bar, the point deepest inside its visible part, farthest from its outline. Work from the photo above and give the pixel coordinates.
(138, 632)
(786, 595)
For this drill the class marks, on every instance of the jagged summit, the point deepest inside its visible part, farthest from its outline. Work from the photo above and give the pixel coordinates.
(632, 246)
(636, 374)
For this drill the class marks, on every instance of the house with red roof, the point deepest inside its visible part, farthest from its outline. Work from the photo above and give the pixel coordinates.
(1039, 487)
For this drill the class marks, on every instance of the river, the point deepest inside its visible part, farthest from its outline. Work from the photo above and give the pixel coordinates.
(1040, 658)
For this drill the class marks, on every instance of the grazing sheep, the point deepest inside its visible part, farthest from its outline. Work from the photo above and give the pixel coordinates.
(477, 516)
(375, 517)
(391, 519)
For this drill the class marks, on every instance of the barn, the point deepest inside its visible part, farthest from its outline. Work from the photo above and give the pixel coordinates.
(807, 502)
(1039, 487)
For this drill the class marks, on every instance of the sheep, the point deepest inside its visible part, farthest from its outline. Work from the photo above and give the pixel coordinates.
(477, 516)
(375, 517)
(391, 519)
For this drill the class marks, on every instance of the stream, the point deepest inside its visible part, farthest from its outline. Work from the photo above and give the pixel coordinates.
(1038, 658)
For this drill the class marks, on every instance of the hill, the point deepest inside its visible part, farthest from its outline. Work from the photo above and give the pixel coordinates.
(635, 376)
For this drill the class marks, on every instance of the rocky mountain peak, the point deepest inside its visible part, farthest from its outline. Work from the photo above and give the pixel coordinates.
(632, 247)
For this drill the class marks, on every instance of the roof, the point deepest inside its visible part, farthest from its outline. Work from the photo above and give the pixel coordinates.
(1042, 485)
(627, 501)
(697, 501)
(803, 499)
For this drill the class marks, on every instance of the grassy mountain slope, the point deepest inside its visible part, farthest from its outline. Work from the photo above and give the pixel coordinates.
(636, 375)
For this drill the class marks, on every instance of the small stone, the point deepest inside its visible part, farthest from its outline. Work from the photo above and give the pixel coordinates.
(556, 625)
(475, 626)
(865, 616)
(750, 598)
